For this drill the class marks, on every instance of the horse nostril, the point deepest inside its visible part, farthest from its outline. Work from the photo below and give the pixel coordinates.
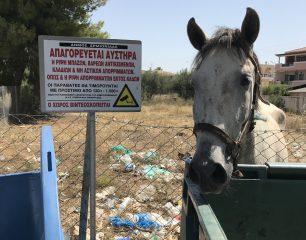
(219, 174)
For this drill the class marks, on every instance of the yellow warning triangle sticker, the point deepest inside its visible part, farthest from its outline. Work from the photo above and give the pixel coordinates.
(126, 98)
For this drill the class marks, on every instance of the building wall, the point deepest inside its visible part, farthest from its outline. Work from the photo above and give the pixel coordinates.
(292, 77)
(296, 104)
(293, 71)
(268, 72)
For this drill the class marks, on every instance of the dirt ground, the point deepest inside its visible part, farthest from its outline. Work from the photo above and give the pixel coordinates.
(148, 142)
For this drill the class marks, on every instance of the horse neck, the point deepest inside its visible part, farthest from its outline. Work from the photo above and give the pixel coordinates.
(247, 155)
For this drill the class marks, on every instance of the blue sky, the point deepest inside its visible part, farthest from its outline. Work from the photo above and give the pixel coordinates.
(161, 26)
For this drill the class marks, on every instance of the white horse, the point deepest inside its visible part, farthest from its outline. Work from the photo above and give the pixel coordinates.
(227, 106)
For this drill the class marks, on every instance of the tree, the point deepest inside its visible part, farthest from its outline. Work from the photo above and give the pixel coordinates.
(149, 84)
(154, 82)
(21, 21)
(183, 85)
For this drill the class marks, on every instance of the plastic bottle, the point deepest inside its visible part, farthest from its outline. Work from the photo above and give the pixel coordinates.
(124, 204)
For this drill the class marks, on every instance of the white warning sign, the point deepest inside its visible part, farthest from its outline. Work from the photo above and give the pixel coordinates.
(83, 74)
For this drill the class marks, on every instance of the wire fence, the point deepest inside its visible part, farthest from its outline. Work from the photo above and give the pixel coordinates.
(139, 169)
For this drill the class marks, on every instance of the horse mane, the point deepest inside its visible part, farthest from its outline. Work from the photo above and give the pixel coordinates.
(227, 38)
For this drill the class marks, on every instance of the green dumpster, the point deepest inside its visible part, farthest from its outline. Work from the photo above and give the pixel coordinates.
(268, 203)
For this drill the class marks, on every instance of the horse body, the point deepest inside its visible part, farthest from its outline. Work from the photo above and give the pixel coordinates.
(266, 142)
(227, 102)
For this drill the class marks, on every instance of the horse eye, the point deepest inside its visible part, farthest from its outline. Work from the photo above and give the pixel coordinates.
(244, 81)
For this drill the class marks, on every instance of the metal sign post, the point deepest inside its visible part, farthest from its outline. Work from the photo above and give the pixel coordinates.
(85, 187)
(89, 75)
(92, 151)
(89, 180)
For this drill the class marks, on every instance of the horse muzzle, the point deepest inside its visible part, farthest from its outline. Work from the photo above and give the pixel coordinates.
(210, 176)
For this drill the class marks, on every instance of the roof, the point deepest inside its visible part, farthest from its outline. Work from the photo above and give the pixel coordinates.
(300, 90)
(292, 52)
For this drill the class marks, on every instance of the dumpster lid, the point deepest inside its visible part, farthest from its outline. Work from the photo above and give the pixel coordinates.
(275, 170)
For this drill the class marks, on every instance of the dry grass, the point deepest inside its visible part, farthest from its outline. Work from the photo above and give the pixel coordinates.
(295, 121)
(163, 110)
(170, 110)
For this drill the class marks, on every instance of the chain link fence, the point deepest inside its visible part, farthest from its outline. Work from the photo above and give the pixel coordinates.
(139, 169)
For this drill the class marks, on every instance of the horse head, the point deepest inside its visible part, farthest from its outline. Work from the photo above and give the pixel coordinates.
(226, 83)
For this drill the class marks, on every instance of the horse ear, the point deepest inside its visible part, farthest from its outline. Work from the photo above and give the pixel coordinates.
(250, 26)
(195, 34)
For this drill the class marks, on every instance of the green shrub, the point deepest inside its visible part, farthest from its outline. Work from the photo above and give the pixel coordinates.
(276, 89)
(103, 181)
(275, 93)
(277, 100)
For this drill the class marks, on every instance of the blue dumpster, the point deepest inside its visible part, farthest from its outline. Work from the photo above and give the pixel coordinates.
(29, 208)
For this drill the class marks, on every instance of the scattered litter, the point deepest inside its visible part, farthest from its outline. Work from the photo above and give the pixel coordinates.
(155, 217)
(73, 210)
(176, 221)
(129, 167)
(107, 191)
(124, 158)
(169, 163)
(76, 231)
(141, 221)
(145, 193)
(151, 225)
(100, 236)
(158, 218)
(116, 166)
(120, 222)
(124, 204)
(172, 210)
(122, 149)
(63, 175)
(154, 238)
(110, 203)
(77, 210)
(150, 155)
(295, 145)
(123, 154)
(144, 221)
(122, 238)
(151, 171)
(147, 156)
(298, 154)
(37, 159)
